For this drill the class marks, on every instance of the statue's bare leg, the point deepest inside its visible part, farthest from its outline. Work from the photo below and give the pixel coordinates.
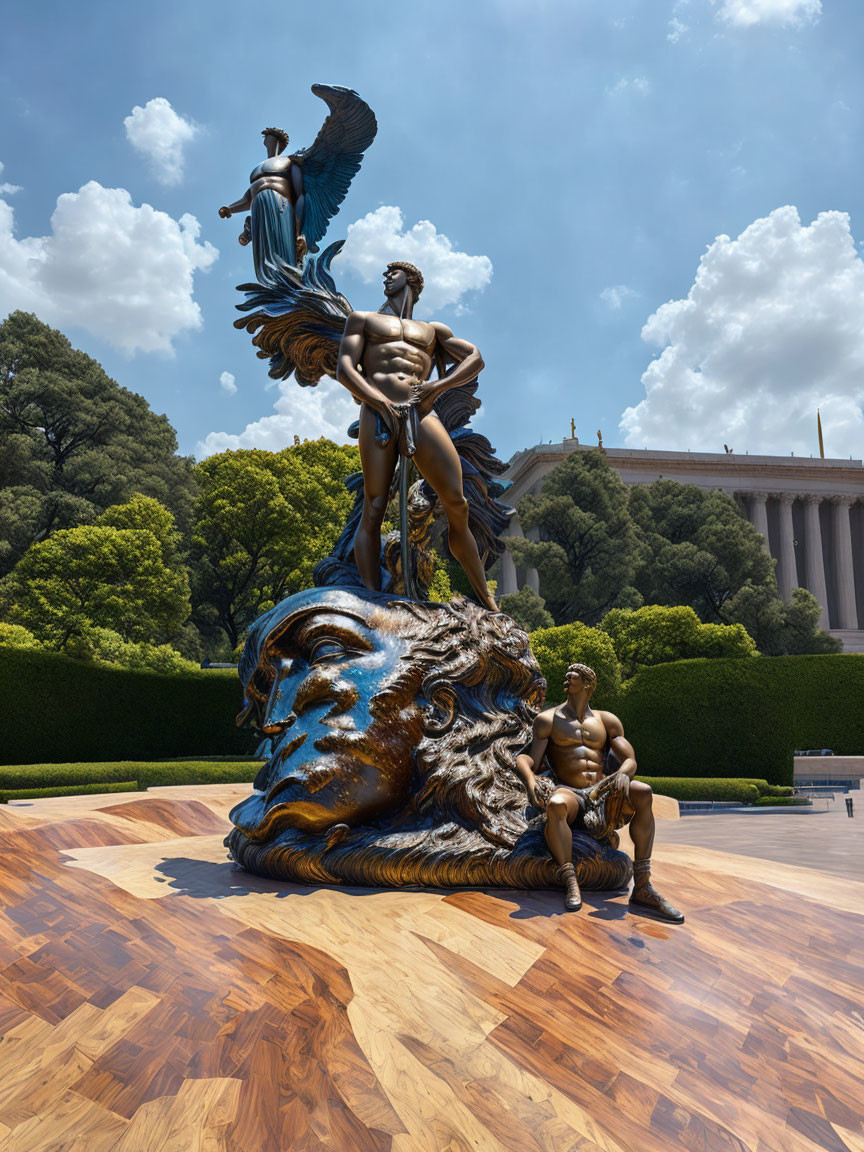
(562, 812)
(378, 465)
(645, 897)
(438, 462)
(642, 824)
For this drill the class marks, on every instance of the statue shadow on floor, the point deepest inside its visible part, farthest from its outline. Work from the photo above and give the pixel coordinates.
(205, 879)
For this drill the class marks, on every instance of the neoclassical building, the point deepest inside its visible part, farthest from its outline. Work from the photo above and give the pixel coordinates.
(809, 511)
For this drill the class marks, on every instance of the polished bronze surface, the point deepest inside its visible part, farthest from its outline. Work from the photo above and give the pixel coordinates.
(393, 730)
(292, 198)
(578, 745)
(155, 999)
(385, 361)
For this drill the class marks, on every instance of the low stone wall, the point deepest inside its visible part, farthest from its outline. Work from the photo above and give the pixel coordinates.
(816, 769)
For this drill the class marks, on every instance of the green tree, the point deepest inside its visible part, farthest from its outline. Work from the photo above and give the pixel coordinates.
(96, 576)
(109, 647)
(527, 609)
(700, 549)
(781, 629)
(656, 634)
(589, 550)
(263, 520)
(555, 649)
(143, 513)
(440, 591)
(73, 441)
(17, 636)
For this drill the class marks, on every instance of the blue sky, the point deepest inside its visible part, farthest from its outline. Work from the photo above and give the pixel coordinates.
(591, 150)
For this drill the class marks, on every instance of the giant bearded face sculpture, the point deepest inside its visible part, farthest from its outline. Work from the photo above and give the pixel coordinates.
(325, 682)
(393, 727)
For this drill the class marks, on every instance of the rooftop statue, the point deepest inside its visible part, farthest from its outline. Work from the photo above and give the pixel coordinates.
(292, 198)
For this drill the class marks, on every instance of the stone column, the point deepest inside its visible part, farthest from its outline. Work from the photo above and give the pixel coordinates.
(813, 563)
(759, 515)
(787, 574)
(532, 576)
(508, 574)
(843, 563)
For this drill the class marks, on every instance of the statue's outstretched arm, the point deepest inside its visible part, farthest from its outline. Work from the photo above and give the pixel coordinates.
(242, 205)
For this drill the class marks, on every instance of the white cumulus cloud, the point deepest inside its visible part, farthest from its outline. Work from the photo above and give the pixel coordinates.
(380, 237)
(8, 189)
(776, 13)
(160, 134)
(121, 271)
(325, 410)
(771, 330)
(228, 384)
(616, 295)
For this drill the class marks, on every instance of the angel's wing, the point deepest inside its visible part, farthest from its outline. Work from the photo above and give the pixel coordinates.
(333, 160)
(297, 319)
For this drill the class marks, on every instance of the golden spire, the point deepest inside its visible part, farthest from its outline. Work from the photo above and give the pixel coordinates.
(819, 427)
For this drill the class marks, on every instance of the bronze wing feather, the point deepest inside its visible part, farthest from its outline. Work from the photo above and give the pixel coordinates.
(331, 163)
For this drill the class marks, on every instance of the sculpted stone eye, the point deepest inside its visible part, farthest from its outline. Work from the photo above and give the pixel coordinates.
(325, 650)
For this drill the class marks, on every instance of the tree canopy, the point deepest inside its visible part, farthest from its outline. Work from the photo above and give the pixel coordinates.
(589, 549)
(98, 576)
(262, 522)
(557, 648)
(527, 609)
(655, 634)
(604, 546)
(74, 441)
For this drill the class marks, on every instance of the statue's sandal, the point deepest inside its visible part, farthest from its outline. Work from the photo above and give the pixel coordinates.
(647, 900)
(572, 895)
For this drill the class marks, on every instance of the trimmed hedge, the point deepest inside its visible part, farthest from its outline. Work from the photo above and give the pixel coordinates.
(56, 709)
(742, 718)
(71, 790)
(681, 788)
(78, 779)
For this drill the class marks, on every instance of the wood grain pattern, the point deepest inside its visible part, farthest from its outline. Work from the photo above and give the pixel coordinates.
(154, 998)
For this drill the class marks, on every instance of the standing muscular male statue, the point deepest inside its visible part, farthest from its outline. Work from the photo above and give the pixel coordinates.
(385, 360)
(575, 741)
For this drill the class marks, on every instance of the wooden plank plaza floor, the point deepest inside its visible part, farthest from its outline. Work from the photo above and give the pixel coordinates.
(154, 998)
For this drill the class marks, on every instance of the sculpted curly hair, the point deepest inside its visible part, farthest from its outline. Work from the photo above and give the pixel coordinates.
(587, 674)
(481, 687)
(412, 274)
(279, 134)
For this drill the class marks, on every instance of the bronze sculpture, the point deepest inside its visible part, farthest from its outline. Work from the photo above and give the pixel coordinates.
(300, 321)
(395, 729)
(385, 361)
(292, 198)
(392, 731)
(577, 742)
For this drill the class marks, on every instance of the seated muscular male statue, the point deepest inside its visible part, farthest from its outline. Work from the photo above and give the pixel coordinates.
(575, 740)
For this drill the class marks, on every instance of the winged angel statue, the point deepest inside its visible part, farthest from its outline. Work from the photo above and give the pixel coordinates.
(386, 359)
(291, 199)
